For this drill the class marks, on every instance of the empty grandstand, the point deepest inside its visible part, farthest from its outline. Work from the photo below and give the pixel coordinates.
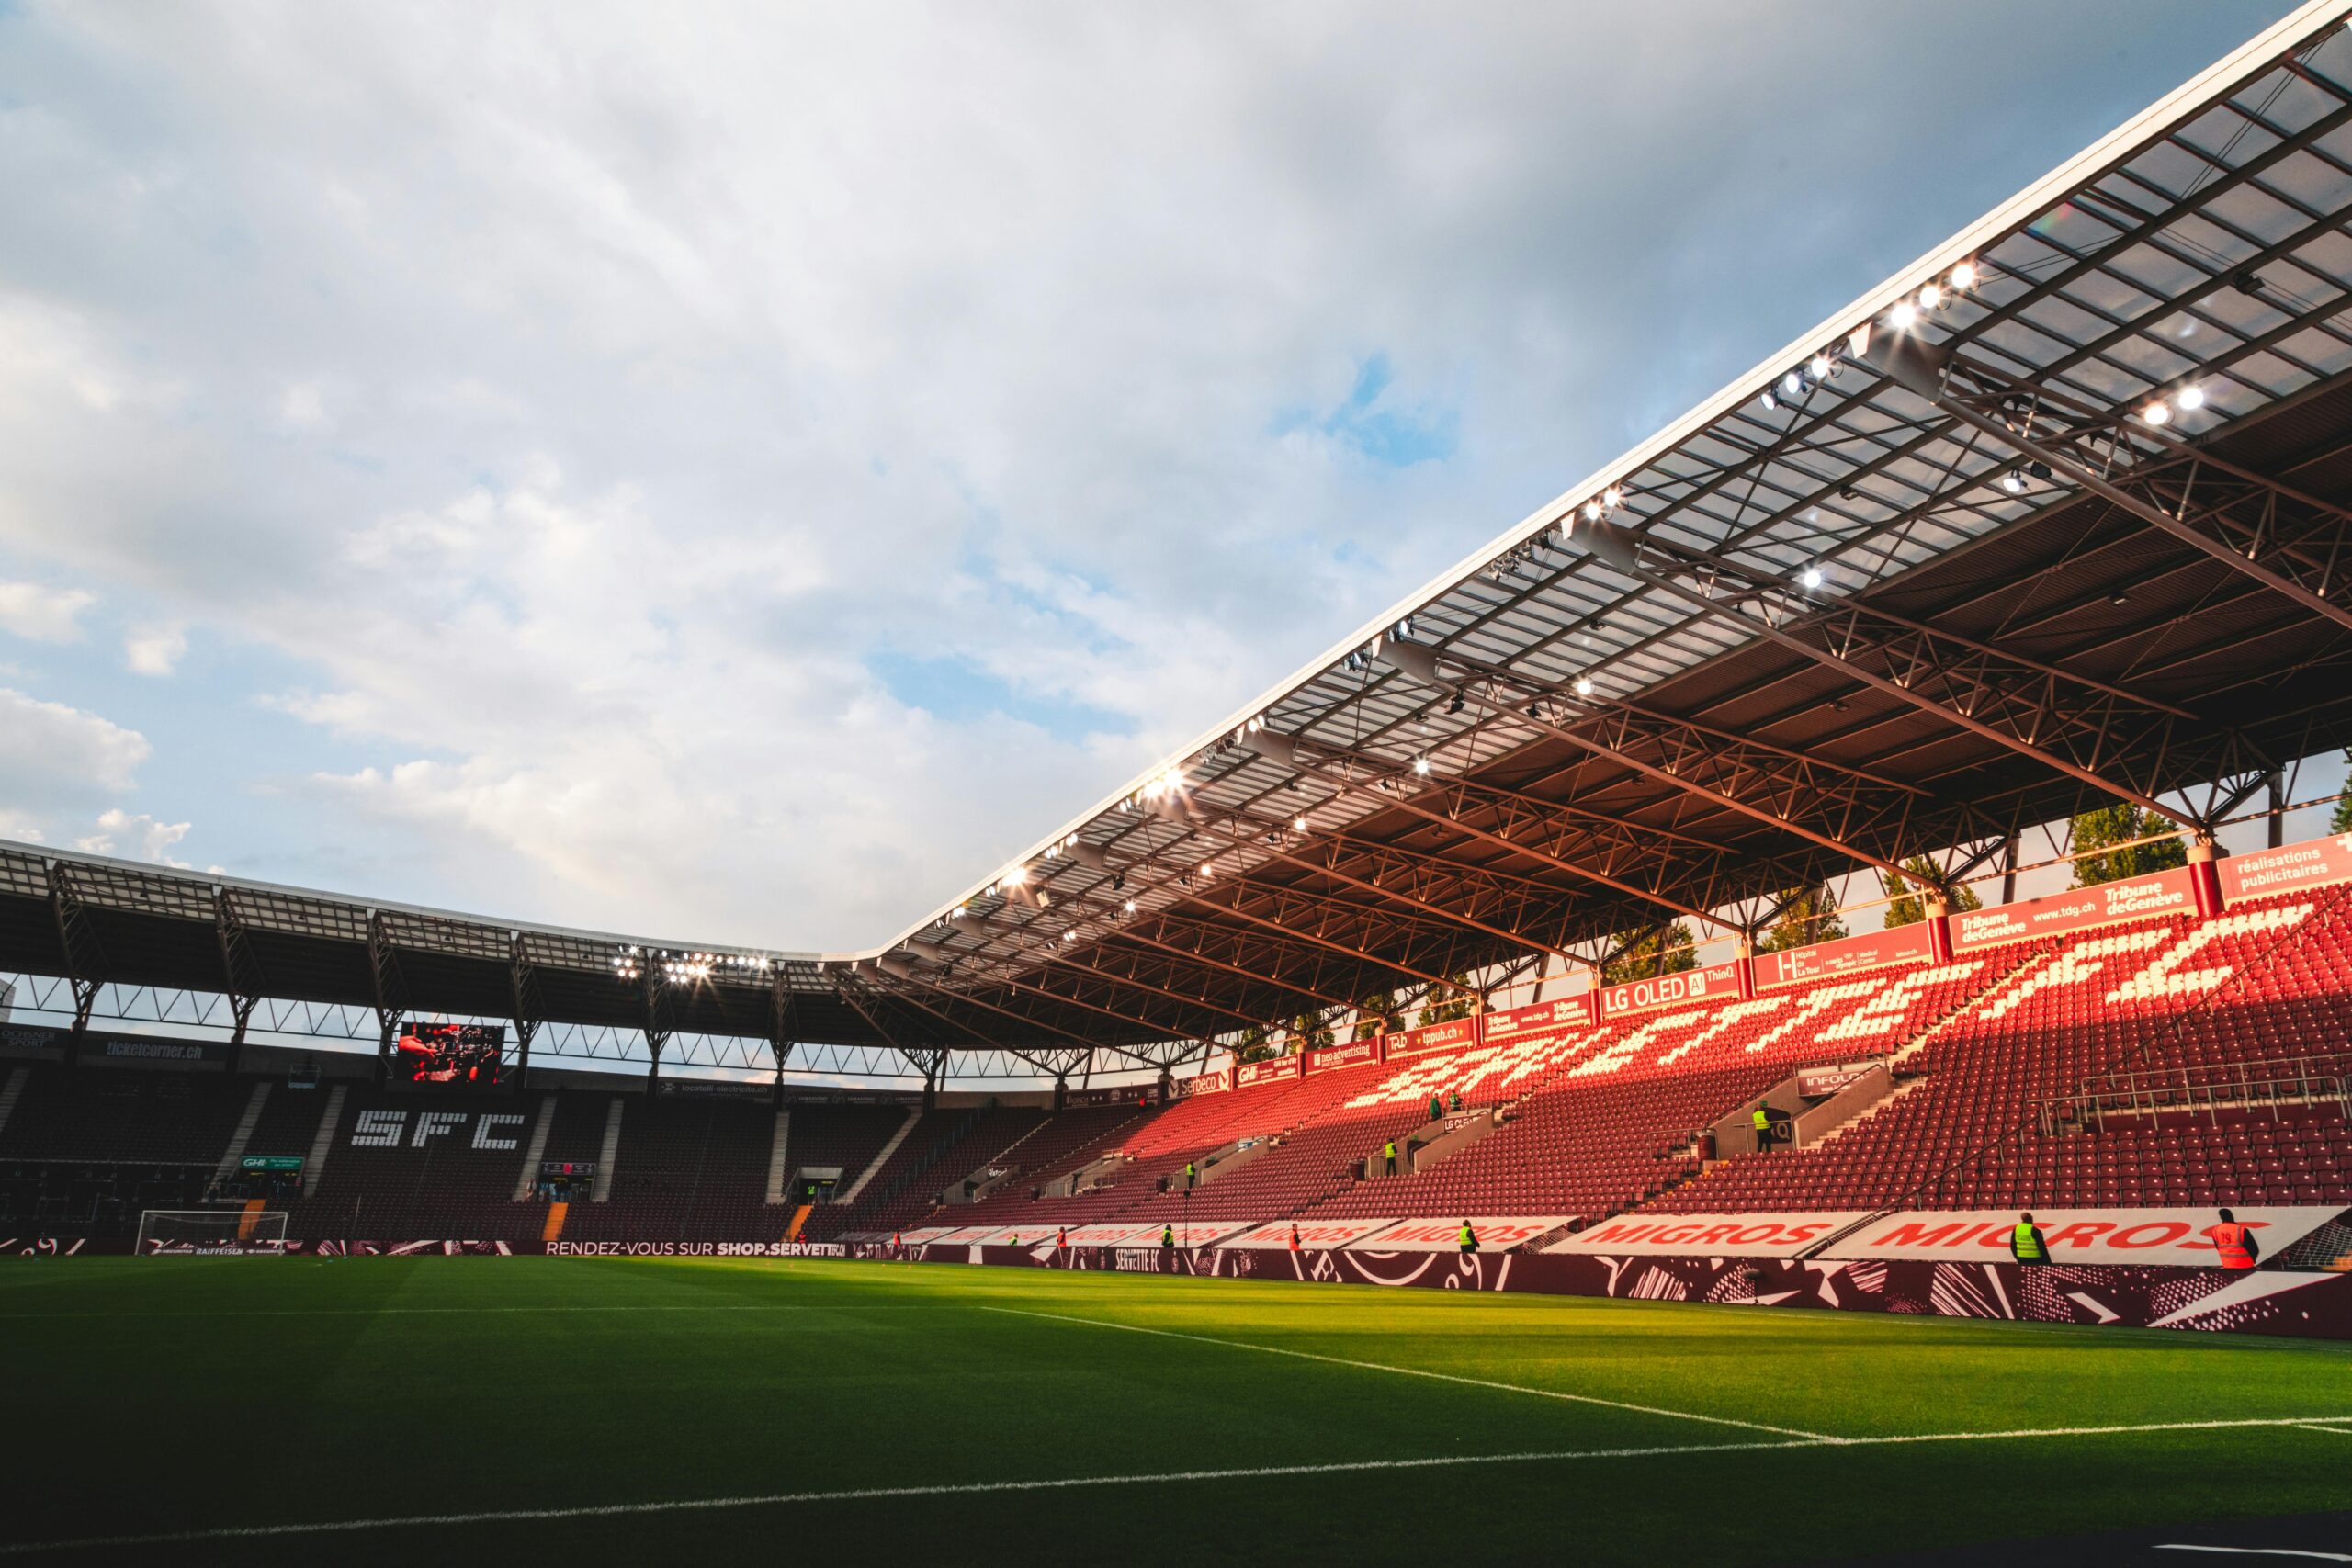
(1521, 906)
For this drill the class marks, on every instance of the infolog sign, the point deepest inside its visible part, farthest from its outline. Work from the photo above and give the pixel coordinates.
(1716, 982)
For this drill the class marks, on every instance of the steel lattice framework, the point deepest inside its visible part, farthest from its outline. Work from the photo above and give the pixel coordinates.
(1927, 577)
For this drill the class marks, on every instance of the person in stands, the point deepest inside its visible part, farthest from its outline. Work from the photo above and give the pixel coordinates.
(1763, 1125)
(1437, 1107)
(2234, 1243)
(1469, 1239)
(1390, 1155)
(1454, 1099)
(2027, 1244)
(1190, 1173)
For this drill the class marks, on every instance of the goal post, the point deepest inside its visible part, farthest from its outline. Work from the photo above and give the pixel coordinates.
(165, 1233)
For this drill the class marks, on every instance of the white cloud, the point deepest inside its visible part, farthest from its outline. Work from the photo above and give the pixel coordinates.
(566, 447)
(43, 614)
(154, 649)
(135, 837)
(303, 406)
(58, 757)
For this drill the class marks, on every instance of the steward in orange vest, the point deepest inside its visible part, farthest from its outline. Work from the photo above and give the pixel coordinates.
(2234, 1243)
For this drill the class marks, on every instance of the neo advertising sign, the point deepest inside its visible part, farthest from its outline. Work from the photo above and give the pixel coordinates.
(1354, 1053)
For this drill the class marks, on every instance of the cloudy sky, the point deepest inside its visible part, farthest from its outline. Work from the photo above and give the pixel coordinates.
(740, 473)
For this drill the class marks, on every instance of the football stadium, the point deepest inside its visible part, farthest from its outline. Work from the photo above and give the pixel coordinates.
(1796, 1006)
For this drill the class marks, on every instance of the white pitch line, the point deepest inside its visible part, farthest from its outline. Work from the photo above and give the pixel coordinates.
(867, 1494)
(2255, 1551)
(2315, 1427)
(382, 1312)
(972, 1488)
(1420, 1372)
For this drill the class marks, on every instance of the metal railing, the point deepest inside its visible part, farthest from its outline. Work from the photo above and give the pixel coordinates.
(2272, 1084)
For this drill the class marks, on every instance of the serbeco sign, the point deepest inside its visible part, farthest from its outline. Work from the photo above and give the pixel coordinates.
(1714, 983)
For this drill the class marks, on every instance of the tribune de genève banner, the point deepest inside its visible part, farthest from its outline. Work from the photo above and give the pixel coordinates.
(2105, 904)
(1542, 1018)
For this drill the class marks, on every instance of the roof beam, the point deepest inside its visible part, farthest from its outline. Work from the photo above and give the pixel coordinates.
(2290, 542)
(2080, 728)
(1292, 752)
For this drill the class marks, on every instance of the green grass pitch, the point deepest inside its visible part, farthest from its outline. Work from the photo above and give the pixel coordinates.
(889, 1413)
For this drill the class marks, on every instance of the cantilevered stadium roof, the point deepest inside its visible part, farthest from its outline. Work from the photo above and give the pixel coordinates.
(2057, 516)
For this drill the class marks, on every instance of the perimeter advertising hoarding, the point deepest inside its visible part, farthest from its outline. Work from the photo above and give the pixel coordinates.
(1252, 1074)
(1850, 956)
(926, 1233)
(2312, 865)
(1432, 1037)
(1081, 1098)
(2161, 893)
(1109, 1233)
(1354, 1053)
(1314, 1236)
(1495, 1233)
(713, 1089)
(2079, 1235)
(1542, 1018)
(1716, 982)
(1709, 1236)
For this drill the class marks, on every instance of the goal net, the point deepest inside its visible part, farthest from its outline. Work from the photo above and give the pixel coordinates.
(211, 1230)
